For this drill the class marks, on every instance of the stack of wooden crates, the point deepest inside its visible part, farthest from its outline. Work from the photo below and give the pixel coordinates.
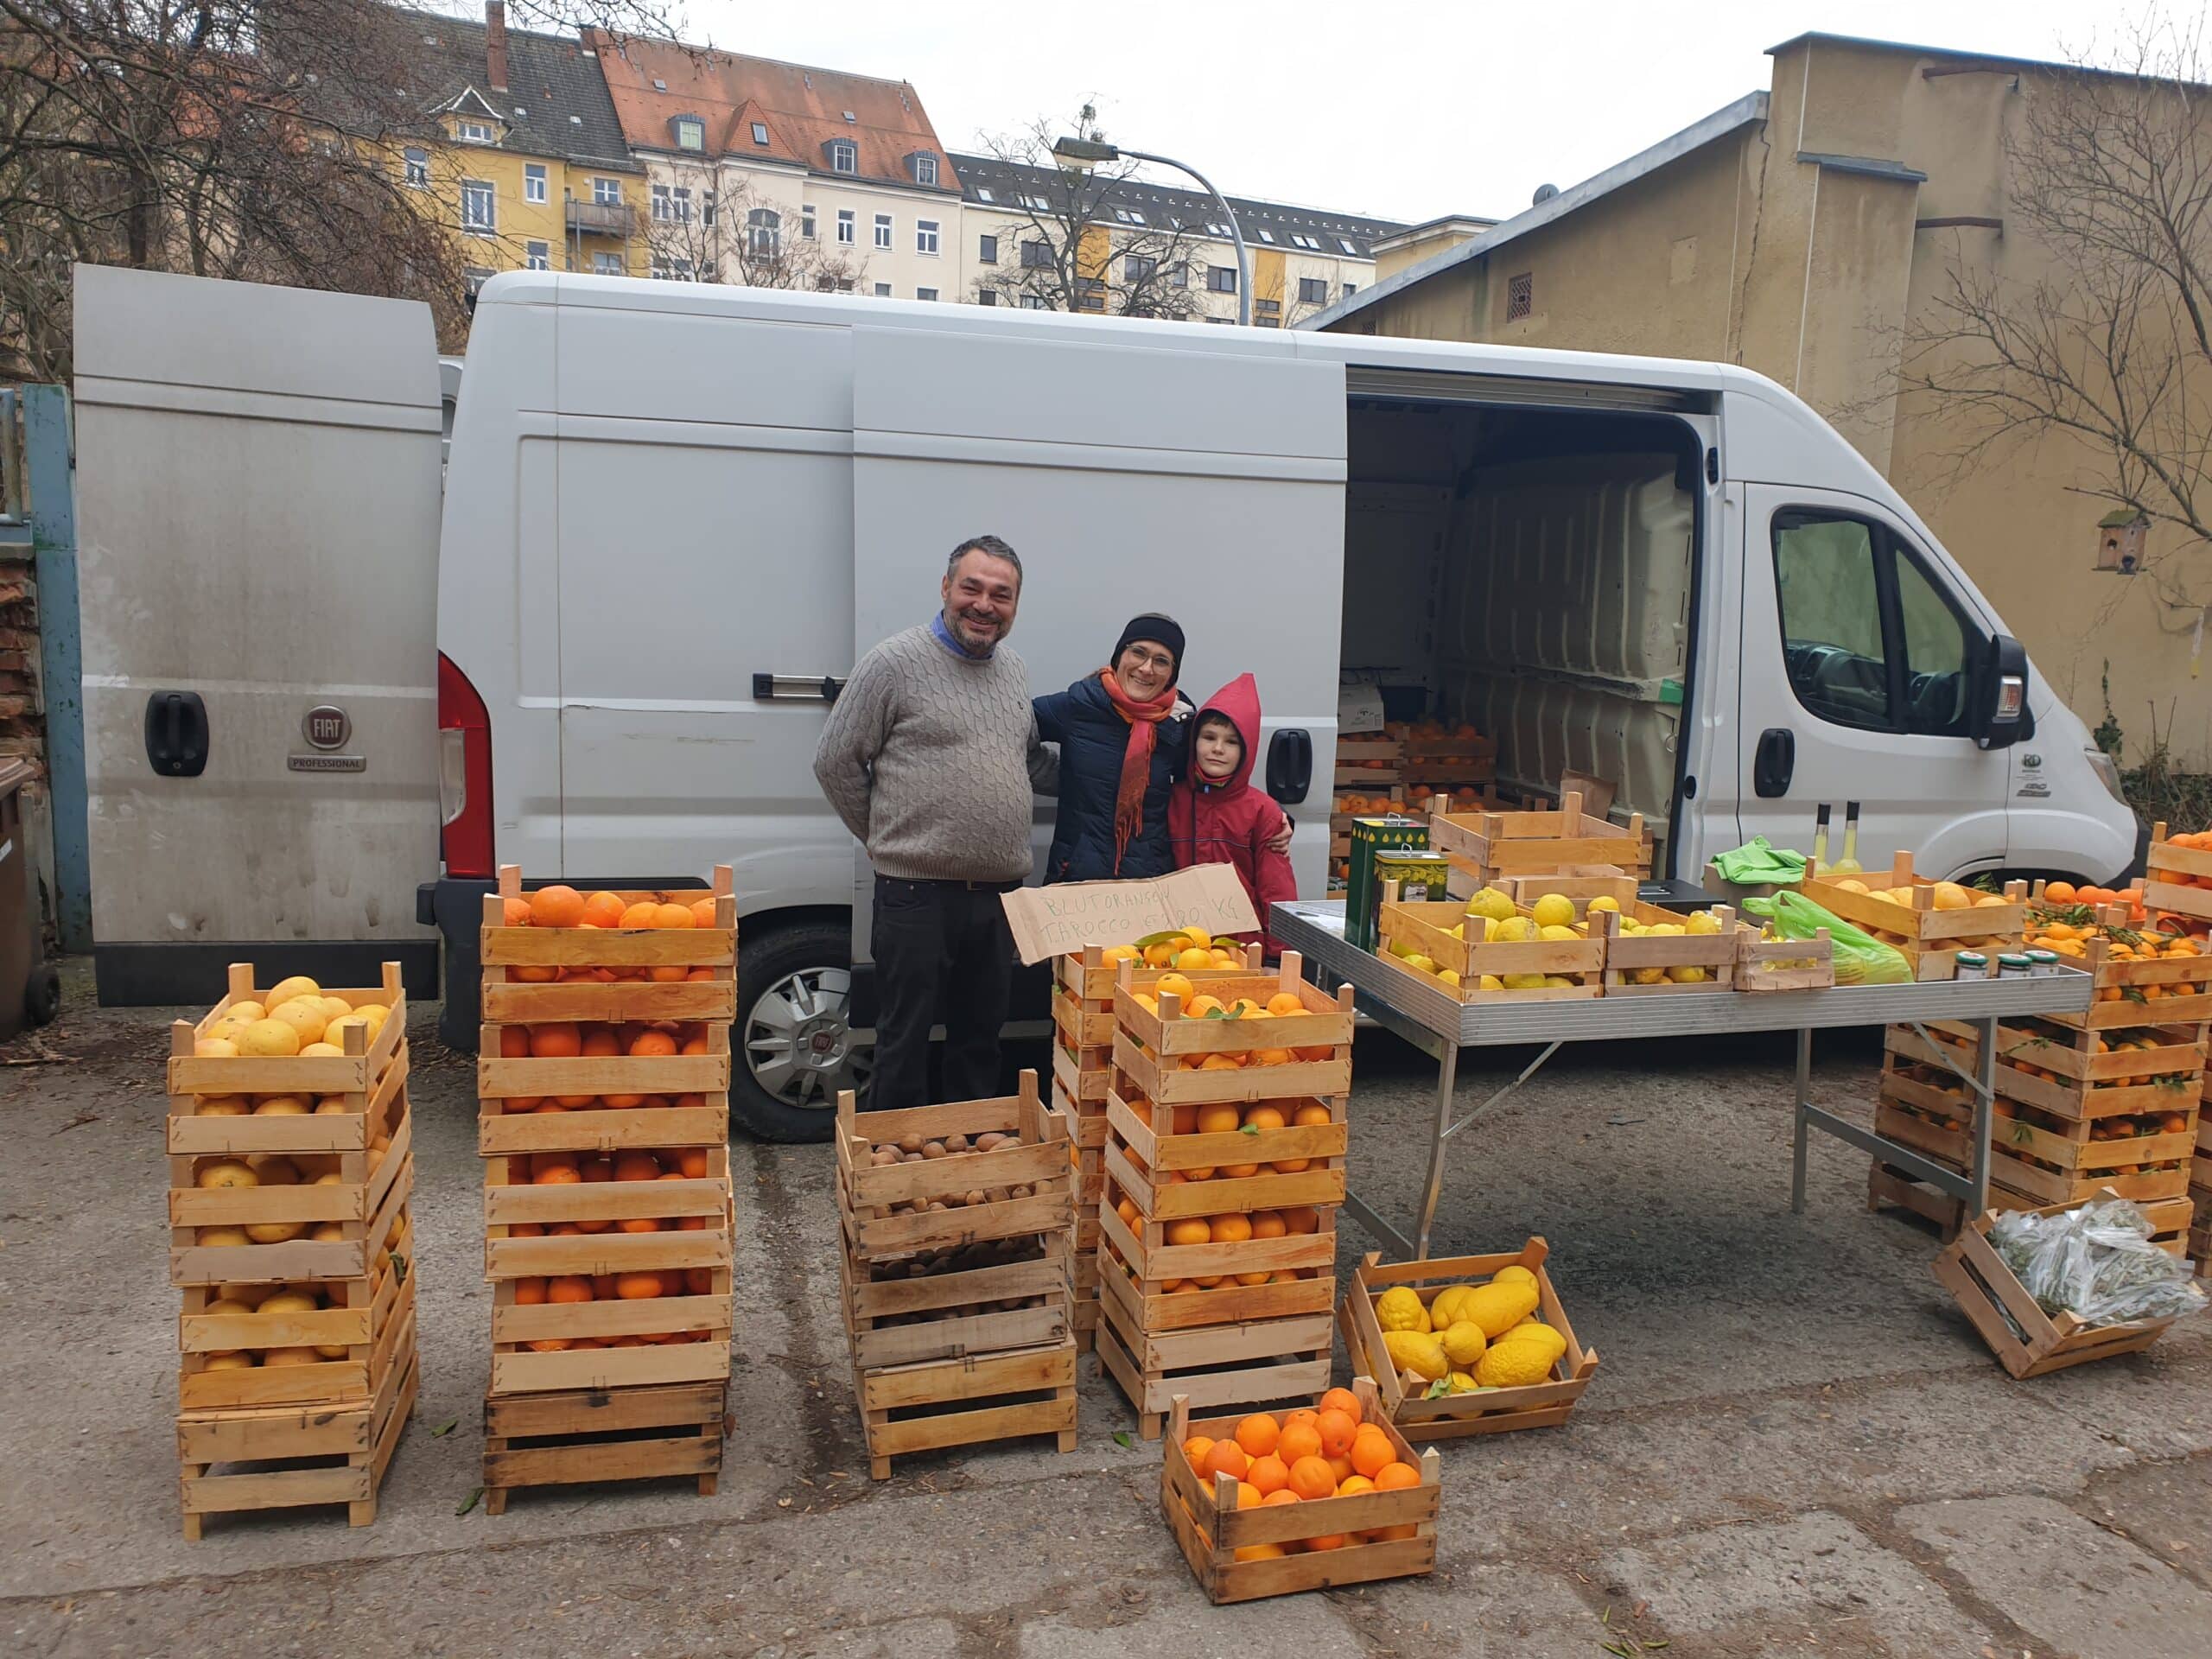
(608, 1203)
(2178, 881)
(300, 1401)
(2107, 1098)
(1224, 1156)
(955, 1224)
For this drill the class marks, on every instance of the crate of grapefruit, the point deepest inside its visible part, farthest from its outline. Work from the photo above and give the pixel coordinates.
(1259, 1507)
(1242, 1038)
(1489, 949)
(1928, 923)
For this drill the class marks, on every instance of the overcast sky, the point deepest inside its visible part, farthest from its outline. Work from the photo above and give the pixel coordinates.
(1404, 110)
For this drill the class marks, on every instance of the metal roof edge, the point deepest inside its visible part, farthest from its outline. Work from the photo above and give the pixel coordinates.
(1751, 107)
(1869, 166)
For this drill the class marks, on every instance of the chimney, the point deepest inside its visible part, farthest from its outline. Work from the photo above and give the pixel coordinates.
(495, 44)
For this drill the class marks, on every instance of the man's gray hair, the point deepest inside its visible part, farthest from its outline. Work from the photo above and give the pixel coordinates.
(990, 547)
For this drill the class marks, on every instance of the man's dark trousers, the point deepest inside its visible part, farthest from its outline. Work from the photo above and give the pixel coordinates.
(939, 946)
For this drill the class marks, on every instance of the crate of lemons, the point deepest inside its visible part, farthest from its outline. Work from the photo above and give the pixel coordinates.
(1467, 1344)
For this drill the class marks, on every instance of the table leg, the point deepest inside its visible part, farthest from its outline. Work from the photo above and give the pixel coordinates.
(1447, 1076)
(1985, 1093)
(1803, 1121)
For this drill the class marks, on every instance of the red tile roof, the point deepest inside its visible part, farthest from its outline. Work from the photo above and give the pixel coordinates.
(802, 108)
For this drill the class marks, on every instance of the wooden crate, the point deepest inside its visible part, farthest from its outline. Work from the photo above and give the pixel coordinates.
(512, 1199)
(541, 969)
(1784, 964)
(1365, 760)
(1257, 1363)
(373, 1324)
(1930, 939)
(1039, 1161)
(1489, 845)
(293, 1457)
(2030, 1342)
(1209, 1529)
(1889, 1188)
(1540, 1404)
(352, 1074)
(976, 1400)
(1426, 929)
(2073, 1073)
(1630, 956)
(904, 1321)
(2167, 991)
(1137, 1266)
(2177, 879)
(1150, 1049)
(598, 1434)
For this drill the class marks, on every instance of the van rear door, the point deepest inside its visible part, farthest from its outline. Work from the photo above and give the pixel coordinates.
(1206, 484)
(258, 490)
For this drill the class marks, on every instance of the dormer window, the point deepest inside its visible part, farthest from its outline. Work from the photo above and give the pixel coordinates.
(474, 132)
(760, 134)
(690, 132)
(844, 155)
(924, 164)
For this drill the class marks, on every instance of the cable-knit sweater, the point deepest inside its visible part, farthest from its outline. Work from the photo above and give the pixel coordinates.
(932, 761)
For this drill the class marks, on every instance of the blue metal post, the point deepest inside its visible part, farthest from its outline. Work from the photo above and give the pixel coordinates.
(50, 463)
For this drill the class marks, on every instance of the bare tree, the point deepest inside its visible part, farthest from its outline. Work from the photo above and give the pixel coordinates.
(2098, 330)
(1089, 239)
(252, 139)
(735, 235)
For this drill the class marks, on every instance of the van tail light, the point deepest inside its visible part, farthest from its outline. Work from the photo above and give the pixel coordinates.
(464, 774)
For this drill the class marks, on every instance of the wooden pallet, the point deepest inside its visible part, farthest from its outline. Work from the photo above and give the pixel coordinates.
(1539, 1405)
(976, 1400)
(1425, 930)
(1488, 845)
(2177, 879)
(1211, 1529)
(601, 1434)
(1930, 939)
(1259, 1363)
(2027, 1341)
(293, 1457)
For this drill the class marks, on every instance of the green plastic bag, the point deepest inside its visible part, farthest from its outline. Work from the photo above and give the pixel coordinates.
(1860, 958)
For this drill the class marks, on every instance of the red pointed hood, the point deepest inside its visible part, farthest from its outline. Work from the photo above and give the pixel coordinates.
(1240, 700)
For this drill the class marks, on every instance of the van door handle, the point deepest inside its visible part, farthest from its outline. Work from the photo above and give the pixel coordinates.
(1776, 758)
(176, 734)
(1290, 765)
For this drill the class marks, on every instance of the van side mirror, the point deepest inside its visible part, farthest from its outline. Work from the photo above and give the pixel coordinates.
(2001, 694)
(1290, 765)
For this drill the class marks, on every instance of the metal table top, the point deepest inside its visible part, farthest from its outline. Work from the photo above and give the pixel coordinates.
(1316, 928)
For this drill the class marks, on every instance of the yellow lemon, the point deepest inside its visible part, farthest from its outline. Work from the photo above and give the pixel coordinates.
(1557, 931)
(1605, 901)
(1491, 983)
(1553, 910)
(1199, 937)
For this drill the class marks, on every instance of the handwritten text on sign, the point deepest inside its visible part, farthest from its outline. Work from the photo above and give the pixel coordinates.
(1054, 921)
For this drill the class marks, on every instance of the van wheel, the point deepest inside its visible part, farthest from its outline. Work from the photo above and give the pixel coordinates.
(793, 1047)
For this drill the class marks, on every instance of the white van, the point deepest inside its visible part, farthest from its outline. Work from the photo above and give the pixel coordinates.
(675, 514)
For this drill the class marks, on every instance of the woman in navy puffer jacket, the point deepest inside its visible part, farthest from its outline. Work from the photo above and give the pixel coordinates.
(1124, 734)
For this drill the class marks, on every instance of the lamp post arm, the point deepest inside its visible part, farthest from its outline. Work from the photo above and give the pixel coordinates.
(1236, 231)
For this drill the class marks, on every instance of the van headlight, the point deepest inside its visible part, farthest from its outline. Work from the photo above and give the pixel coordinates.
(2107, 774)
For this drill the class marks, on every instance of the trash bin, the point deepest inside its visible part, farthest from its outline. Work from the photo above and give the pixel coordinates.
(31, 988)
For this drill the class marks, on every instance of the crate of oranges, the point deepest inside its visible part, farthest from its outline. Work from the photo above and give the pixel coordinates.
(1241, 1038)
(2144, 974)
(2178, 879)
(1269, 1504)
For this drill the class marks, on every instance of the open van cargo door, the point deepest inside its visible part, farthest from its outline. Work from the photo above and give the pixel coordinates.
(259, 479)
(1206, 484)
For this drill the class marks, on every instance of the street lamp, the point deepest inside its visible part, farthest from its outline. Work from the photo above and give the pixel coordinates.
(1085, 153)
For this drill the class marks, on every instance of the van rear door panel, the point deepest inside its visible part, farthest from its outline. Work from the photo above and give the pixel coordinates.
(1209, 486)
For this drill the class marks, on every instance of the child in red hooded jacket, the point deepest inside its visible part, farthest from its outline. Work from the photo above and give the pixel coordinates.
(1215, 817)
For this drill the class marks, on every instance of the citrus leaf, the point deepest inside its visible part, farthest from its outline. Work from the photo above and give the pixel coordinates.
(470, 1502)
(1151, 939)
(1249, 1129)
(1122, 1439)
(445, 1429)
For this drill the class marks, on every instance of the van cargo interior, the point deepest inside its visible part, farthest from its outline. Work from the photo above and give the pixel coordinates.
(1529, 571)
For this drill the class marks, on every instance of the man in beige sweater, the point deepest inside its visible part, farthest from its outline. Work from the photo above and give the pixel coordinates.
(930, 757)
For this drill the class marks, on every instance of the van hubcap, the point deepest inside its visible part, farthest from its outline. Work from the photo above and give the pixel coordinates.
(798, 1044)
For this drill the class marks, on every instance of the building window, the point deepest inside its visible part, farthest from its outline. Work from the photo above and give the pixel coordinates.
(1034, 303)
(883, 291)
(533, 182)
(672, 205)
(982, 194)
(607, 192)
(1220, 279)
(1520, 297)
(883, 230)
(479, 212)
(845, 225)
(1138, 268)
(1267, 314)
(473, 132)
(1350, 288)
(1313, 290)
(764, 232)
(1036, 256)
(1129, 216)
(926, 293)
(662, 211)
(925, 168)
(1089, 293)
(925, 236)
(760, 134)
(538, 256)
(690, 133)
(1266, 235)
(1178, 274)
(475, 277)
(844, 155)
(1348, 247)
(806, 221)
(987, 250)
(604, 264)
(986, 297)
(660, 268)
(417, 167)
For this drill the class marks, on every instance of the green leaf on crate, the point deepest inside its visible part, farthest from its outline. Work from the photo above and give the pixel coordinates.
(1249, 1129)
(1218, 1014)
(444, 1430)
(1438, 1389)
(1122, 1439)
(469, 1503)
(399, 1269)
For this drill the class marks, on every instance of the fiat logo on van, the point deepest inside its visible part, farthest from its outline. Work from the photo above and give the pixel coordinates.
(326, 727)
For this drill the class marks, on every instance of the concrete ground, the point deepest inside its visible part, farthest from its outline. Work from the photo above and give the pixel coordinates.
(1793, 1444)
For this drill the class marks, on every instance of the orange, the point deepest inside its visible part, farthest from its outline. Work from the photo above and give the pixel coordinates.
(1217, 1120)
(2059, 892)
(555, 907)
(1303, 1218)
(1312, 1478)
(1285, 1496)
(1195, 1450)
(1266, 1223)
(1272, 1057)
(1297, 1440)
(1353, 1485)
(596, 1168)
(555, 1042)
(698, 1282)
(640, 914)
(1327, 1541)
(1263, 1117)
(1336, 1429)
(672, 915)
(529, 1293)
(602, 1045)
(1191, 1230)
(515, 912)
(1222, 1063)
(638, 1225)
(1305, 1415)
(1261, 1552)
(634, 1166)
(556, 1175)
(1341, 1468)
(1310, 1115)
(653, 1042)
(603, 909)
(1227, 1457)
(1258, 1434)
(1248, 1497)
(1285, 1002)
(1343, 1400)
(1238, 1172)
(1127, 1209)
(702, 912)
(1370, 1450)
(568, 1289)
(636, 1287)
(1392, 1476)
(1229, 1229)
(1269, 1474)
(691, 1163)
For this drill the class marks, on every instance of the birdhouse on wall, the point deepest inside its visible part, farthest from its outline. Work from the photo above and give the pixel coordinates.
(2119, 541)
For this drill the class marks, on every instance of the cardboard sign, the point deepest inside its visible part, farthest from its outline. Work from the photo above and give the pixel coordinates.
(1057, 920)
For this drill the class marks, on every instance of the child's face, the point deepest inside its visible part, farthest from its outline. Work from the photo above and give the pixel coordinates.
(1218, 749)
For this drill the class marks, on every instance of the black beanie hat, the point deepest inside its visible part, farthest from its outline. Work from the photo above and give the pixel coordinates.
(1161, 629)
